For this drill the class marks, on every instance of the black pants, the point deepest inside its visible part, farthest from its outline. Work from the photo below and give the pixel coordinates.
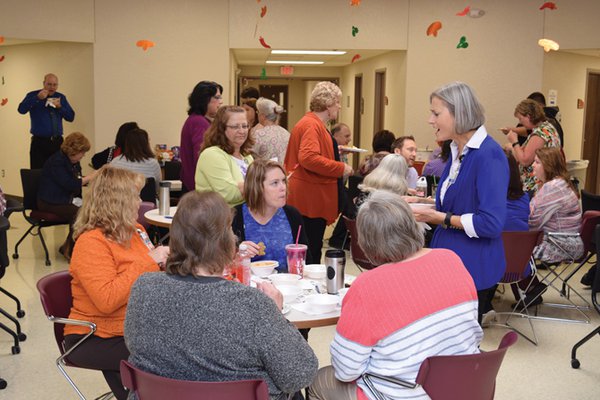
(485, 298)
(101, 354)
(66, 211)
(315, 229)
(41, 149)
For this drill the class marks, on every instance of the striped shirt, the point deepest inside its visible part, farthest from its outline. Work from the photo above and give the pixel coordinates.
(397, 315)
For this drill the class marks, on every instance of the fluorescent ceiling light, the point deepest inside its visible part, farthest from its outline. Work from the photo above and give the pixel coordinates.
(295, 62)
(310, 52)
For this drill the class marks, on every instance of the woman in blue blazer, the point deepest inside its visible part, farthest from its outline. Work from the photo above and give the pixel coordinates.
(471, 199)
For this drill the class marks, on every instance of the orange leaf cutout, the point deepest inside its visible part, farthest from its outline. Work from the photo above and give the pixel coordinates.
(263, 11)
(1, 58)
(4, 101)
(1, 39)
(464, 12)
(145, 44)
(549, 5)
(433, 29)
(355, 2)
(263, 43)
(356, 57)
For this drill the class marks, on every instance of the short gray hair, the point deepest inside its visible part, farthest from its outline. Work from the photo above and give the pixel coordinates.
(269, 109)
(387, 230)
(462, 103)
(389, 175)
(325, 94)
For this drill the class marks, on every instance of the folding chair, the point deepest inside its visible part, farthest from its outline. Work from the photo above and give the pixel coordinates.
(358, 256)
(17, 335)
(30, 179)
(557, 275)
(56, 298)
(464, 377)
(518, 250)
(147, 386)
(596, 301)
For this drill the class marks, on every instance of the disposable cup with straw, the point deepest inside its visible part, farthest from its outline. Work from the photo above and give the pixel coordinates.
(296, 256)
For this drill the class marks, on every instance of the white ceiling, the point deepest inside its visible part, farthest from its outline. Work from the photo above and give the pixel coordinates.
(260, 56)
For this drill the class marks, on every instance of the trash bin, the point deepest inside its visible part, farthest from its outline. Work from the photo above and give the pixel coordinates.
(577, 169)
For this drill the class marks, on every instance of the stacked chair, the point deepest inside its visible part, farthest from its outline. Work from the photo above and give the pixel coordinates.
(596, 302)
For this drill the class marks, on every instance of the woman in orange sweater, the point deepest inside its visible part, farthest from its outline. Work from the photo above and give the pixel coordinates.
(313, 165)
(111, 252)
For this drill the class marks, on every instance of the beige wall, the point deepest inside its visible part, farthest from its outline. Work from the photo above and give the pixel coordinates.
(23, 70)
(567, 74)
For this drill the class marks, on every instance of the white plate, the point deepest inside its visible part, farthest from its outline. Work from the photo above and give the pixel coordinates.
(285, 309)
(352, 149)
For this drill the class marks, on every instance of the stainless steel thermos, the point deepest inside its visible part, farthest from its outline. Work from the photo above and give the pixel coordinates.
(335, 262)
(164, 198)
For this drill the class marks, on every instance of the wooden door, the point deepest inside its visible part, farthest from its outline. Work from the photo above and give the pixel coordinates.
(591, 135)
(358, 111)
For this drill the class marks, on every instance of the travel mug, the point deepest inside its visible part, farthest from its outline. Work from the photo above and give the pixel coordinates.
(335, 261)
(164, 198)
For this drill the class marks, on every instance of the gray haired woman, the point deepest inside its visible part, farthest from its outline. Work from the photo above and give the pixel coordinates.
(271, 140)
(416, 304)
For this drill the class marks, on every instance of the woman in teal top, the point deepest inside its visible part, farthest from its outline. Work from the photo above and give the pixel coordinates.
(225, 155)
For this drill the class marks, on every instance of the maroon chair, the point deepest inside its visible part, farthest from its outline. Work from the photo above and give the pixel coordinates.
(518, 250)
(145, 206)
(464, 377)
(30, 179)
(147, 386)
(56, 298)
(358, 256)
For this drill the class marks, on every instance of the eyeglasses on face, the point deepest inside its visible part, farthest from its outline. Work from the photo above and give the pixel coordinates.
(217, 97)
(238, 127)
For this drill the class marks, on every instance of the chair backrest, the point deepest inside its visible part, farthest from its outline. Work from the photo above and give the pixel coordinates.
(145, 206)
(30, 179)
(589, 201)
(589, 221)
(464, 377)
(357, 253)
(518, 247)
(148, 386)
(596, 283)
(172, 170)
(56, 297)
(148, 192)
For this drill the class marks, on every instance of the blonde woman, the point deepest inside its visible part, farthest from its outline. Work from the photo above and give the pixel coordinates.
(111, 252)
(389, 175)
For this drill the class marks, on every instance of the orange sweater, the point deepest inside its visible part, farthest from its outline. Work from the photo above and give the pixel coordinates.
(103, 273)
(313, 185)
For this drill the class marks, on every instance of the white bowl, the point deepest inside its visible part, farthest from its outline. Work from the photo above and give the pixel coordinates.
(290, 292)
(315, 271)
(322, 303)
(283, 279)
(341, 293)
(263, 268)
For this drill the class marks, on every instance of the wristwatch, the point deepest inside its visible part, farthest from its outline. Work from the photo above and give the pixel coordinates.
(446, 223)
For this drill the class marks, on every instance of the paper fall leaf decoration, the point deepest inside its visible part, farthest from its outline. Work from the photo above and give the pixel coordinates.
(263, 11)
(433, 29)
(145, 44)
(464, 12)
(462, 44)
(550, 5)
(263, 43)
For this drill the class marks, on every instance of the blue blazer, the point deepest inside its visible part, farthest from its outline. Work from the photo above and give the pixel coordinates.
(480, 189)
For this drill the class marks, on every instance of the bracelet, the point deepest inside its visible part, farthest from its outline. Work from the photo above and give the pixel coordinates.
(515, 144)
(446, 223)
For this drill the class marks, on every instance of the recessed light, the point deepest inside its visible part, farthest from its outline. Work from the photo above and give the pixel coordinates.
(310, 52)
(295, 62)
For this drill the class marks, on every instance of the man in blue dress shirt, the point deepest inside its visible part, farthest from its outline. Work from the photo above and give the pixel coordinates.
(47, 108)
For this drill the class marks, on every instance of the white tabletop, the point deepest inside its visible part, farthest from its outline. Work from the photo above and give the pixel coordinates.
(164, 221)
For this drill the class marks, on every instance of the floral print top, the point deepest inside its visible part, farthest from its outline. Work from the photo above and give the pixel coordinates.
(548, 134)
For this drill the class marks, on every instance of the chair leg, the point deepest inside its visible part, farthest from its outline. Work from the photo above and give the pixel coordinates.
(16, 253)
(20, 335)
(48, 263)
(15, 349)
(574, 361)
(564, 290)
(20, 311)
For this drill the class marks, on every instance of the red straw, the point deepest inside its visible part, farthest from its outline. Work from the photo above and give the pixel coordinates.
(298, 235)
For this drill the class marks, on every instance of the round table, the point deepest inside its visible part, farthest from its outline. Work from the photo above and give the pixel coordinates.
(303, 321)
(164, 221)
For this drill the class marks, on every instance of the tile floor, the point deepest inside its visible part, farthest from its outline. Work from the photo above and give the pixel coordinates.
(528, 372)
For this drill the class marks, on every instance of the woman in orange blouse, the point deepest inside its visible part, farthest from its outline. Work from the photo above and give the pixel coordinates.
(314, 166)
(111, 252)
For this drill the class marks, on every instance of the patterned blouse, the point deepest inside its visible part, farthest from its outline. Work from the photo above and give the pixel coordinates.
(548, 134)
(271, 142)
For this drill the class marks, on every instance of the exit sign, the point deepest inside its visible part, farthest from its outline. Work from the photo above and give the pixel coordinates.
(286, 70)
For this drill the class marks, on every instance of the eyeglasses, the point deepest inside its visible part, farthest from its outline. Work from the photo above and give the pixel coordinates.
(238, 127)
(217, 97)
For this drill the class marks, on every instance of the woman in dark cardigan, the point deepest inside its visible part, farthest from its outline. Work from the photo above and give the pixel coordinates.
(265, 223)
